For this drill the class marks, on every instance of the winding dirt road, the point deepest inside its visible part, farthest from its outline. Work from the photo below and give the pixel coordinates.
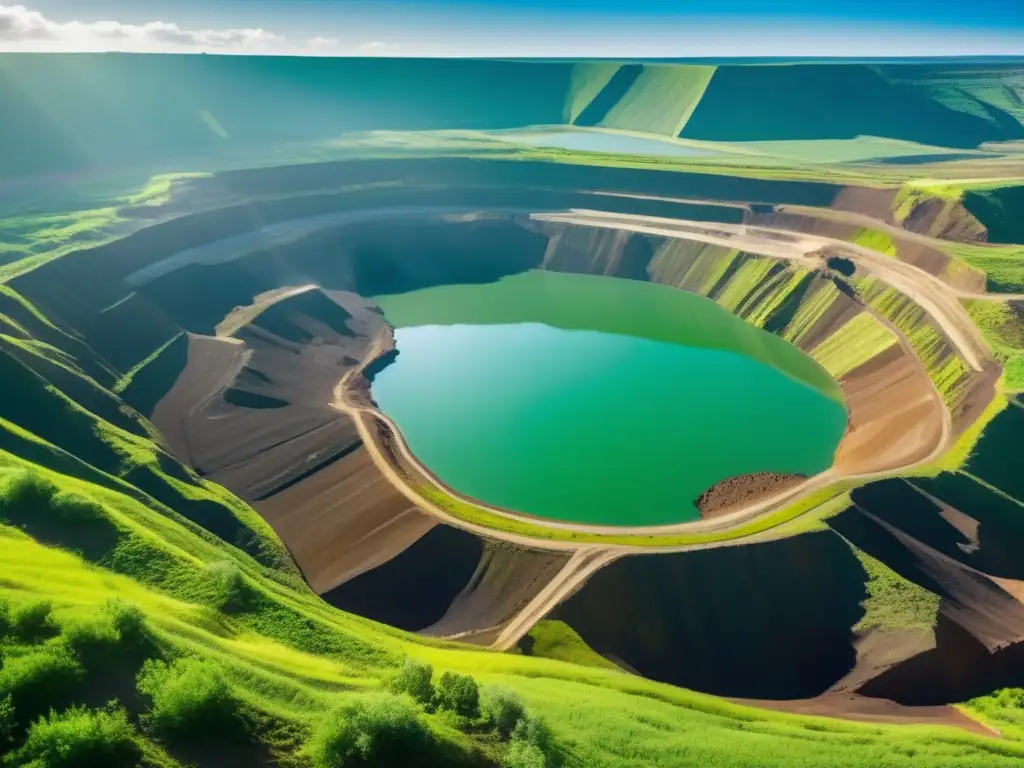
(939, 300)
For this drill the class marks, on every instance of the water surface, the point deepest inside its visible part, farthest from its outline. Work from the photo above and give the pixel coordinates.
(597, 400)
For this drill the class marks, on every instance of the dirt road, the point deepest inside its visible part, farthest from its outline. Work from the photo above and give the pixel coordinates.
(938, 299)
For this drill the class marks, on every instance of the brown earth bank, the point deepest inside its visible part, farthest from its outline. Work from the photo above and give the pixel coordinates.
(853, 706)
(733, 492)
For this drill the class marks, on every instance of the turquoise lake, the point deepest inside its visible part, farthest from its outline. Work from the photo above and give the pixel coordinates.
(596, 400)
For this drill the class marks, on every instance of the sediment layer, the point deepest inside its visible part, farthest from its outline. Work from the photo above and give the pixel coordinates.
(734, 492)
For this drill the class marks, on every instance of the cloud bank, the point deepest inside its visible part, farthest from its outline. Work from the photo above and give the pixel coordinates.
(22, 29)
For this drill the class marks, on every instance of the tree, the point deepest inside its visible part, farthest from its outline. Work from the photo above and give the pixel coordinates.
(459, 693)
(415, 679)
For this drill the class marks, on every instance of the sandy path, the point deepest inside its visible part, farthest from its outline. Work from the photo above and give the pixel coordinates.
(581, 566)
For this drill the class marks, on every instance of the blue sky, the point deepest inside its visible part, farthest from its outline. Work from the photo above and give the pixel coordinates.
(634, 28)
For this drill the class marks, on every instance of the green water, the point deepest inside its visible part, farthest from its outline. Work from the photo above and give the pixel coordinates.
(597, 400)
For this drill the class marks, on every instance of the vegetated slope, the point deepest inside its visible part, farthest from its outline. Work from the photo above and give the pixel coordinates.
(201, 634)
(993, 94)
(586, 80)
(194, 108)
(998, 210)
(751, 103)
(216, 111)
(660, 100)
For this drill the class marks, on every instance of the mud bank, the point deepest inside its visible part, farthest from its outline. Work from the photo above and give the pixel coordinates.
(737, 491)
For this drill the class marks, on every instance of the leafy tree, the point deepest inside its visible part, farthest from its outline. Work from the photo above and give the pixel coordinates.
(502, 708)
(460, 694)
(415, 679)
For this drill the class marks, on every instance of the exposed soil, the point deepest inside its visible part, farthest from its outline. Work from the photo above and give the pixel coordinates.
(895, 417)
(344, 519)
(506, 580)
(726, 495)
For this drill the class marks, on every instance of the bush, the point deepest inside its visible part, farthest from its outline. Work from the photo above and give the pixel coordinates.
(130, 623)
(38, 681)
(230, 592)
(191, 700)
(533, 731)
(459, 693)
(502, 708)
(8, 724)
(75, 508)
(415, 679)
(375, 731)
(79, 738)
(32, 622)
(115, 634)
(25, 491)
(5, 618)
(522, 755)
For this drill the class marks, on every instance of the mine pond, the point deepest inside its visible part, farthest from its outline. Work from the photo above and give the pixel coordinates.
(597, 400)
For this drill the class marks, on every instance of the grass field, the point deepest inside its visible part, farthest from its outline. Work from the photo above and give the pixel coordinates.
(1003, 328)
(857, 341)
(250, 645)
(661, 100)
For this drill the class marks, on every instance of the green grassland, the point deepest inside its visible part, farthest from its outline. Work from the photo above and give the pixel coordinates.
(227, 638)
(28, 240)
(1004, 331)
(857, 341)
(947, 371)
(893, 602)
(586, 81)
(661, 100)
(550, 639)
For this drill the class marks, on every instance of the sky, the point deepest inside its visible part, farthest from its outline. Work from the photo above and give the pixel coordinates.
(521, 28)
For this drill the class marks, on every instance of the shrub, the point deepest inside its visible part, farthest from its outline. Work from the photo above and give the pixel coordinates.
(230, 592)
(502, 708)
(33, 621)
(8, 723)
(79, 738)
(533, 731)
(5, 618)
(75, 508)
(523, 755)
(415, 679)
(374, 731)
(25, 491)
(130, 623)
(191, 700)
(40, 680)
(91, 637)
(115, 634)
(459, 693)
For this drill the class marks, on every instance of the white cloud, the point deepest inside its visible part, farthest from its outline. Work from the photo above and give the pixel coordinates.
(22, 29)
